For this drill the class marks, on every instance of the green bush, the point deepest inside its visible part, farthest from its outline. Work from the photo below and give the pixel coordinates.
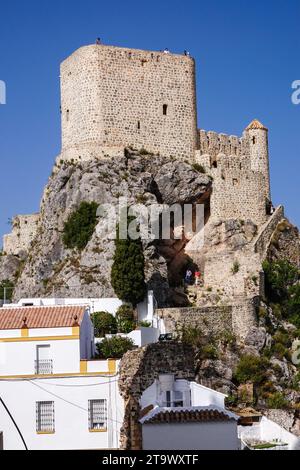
(8, 287)
(104, 324)
(145, 324)
(209, 351)
(283, 289)
(125, 319)
(279, 277)
(115, 347)
(277, 401)
(192, 336)
(235, 267)
(199, 168)
(127, 274)
(251, 369)
(80, 226)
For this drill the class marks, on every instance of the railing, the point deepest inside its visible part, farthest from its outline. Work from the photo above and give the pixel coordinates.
(43, 367)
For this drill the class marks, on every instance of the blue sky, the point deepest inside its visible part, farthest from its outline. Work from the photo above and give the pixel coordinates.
(247, 57)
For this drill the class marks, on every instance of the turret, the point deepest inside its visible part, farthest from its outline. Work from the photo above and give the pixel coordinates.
(259, 151)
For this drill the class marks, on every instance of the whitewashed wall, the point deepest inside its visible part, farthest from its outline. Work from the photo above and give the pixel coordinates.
(191, 436)
(70, 396)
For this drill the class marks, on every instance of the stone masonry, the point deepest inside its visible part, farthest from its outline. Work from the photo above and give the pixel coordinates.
(24, 229)
(112, 97)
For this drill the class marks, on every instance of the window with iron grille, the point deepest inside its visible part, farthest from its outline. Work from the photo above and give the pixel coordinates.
(97, 414)
(45, 416)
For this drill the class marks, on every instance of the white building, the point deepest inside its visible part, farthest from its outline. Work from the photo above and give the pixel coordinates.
(59, 397)
(182, 415)
(257, 432)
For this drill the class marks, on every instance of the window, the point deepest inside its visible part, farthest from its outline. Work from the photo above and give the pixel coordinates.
(178, 399)
(68, 115)
(43, 363)
(253, 140)
(97, 415)
(165, 109)
(45, 417)
(139, 125)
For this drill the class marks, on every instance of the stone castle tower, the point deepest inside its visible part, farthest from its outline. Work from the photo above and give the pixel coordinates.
(113, 97)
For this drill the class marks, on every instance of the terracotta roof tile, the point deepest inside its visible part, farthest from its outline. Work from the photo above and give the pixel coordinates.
(256, 125)
(182, 415)
(40, 317)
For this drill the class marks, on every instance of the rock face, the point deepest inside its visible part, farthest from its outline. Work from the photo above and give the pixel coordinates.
(285, 243)
(51, 269)
(9, 266)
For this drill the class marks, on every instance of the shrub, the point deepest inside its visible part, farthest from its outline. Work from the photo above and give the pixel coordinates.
(279, 277)
(251, 369)
(115, 347)
(199, 168)
(235, 267)
(7, 288)
(104, 324)
(145, 324)
(191, 335)
(127, 273)
(80, 226)
(209, 351)
(125, 319)
(277, 401)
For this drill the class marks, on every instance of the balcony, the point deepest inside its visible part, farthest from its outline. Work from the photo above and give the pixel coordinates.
(43, 367)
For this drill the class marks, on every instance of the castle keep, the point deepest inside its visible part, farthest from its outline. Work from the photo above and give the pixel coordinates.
(113, 97)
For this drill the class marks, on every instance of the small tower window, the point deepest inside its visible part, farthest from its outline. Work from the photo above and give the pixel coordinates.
(139, 125)
(68, 115)
(165, 109)
(253, 140)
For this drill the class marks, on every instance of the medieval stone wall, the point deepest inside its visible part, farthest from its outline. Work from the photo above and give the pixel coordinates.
(240, 170)
(113, 97)
(236, 317)
(24, 229)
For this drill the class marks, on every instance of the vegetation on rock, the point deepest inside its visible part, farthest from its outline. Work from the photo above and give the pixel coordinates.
(252, 369)
(80, 226)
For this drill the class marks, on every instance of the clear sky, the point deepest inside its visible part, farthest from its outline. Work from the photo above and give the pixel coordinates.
(247, 57)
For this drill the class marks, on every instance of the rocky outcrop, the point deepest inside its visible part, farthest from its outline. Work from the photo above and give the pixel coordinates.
(51, 269)
(9, 267)
(285, 243)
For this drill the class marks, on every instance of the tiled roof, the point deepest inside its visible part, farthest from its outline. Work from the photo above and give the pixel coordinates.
(256, 125)
(187, 415)
(40, 317)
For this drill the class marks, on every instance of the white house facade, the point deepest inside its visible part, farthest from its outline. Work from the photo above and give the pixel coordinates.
(58, 396)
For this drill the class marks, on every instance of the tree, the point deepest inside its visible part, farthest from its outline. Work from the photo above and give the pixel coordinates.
(80, 226)
(127, 274)
(115, 347)
(125, 319)
(104, 324)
